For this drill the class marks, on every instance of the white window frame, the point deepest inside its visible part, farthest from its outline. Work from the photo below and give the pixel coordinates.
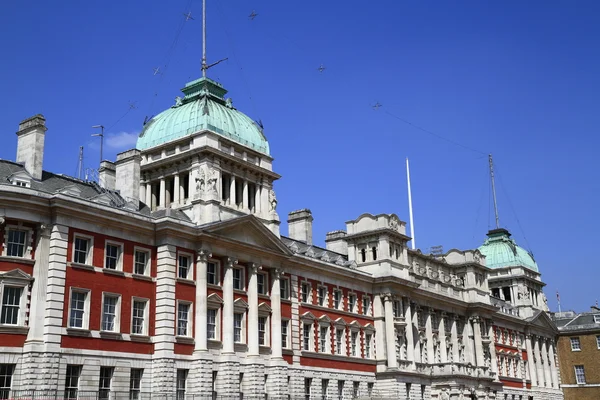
(285, 337)
(21, 313)
(311, 335)
(146, 316)
(242, 278)
(322, 301)
(355, 344)
(119, 262)
(27, 246)
(598, 341)
(327, 327)
(217, 265)
(242, 318)
(182, 377)
(190, 318)
(340, 305)
(596, 318)
(352, 307)
(340, 346)
(72, 381)
(190, 267)
(217, 325)
(369, 342)
(284, 285)
(148, 253)
(117, 321)
(135, 386)
(89, 257)
(370, 305)
(578, 376)
(86, 307)
(575, 343)
(308, 293)
(265, 284)
(240, 307)
(266, 341)
(104, 392)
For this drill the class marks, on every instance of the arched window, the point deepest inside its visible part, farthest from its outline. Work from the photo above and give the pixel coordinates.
(363, 255)
(374, 250)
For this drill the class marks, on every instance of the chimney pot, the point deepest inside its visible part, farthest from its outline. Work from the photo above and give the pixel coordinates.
(127, 180)
(30, 144)
(300, 225)
(107, 175)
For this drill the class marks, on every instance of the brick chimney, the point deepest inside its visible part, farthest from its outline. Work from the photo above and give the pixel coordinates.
(128, 175)
(107, 175)
(30, 144)
(300, 225)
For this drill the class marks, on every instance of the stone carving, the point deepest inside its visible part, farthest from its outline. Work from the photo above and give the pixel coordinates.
(2, 221)
(206, 181)
(211, 183)
(200, 181)
(444, 395)
(523, 293)
(393, 224)
(272, 200)
(178, 101)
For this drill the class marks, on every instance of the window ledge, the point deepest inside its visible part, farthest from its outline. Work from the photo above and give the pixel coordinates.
(286, 301)
(142, 277)
(334, 357)
(14, 329)
(184, 339)
(79, 332)
(139, 338)
(212, 285)
(214, 344)
(115, 272)
(264, 350)
(18, 260)
(240, 346)
(186, 281)
(264, 296)
(288, 352)
(240, 291)
(111, 335)
(86, 267)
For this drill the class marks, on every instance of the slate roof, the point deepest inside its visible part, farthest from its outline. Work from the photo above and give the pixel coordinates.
(318, 253)
(86, 190)
(570, 321)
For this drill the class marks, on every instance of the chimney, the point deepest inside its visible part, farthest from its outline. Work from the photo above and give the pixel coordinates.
(30, 144)
(107, 175)
(300, 225)
(335, 241)
(128, 175)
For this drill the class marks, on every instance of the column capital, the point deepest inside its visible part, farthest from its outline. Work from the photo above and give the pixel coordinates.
(203, 255)
(431, 310)
(475, 319)
(45, 229)
(276, 273)
(387, 297)
(254, 267)
(230, 262)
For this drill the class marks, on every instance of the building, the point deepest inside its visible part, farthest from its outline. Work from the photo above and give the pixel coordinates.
(171, 276)
(578, 347)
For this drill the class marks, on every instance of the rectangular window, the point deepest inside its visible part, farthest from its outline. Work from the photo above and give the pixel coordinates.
(77, 315)
(237, 327)
(352, 303)
(598, 341)
(141, 262)
(138, 317)
(337, 299)
(184, 267)
(339, 341)
(368, 340)
(182, 375)
(211, 324)
(112, 256)
(262, 331)
(183, 314)
(238, 279)
(340, 390)
(366, 305)
(71, 382)
(15, 245)
(575, 345)
(284, 285)
(580, 374)
(353, 343)
(212, 273)
(11, 300)
(397, 309)
(355, 389)
(323, 339)
(261, 282)
(135, 383)
(82, 247)
(370, 388)
(324, 387)
(321, 296)
(307, 385)
(306, 329)
(106, 374)
(284, 334)
(305, 291)
(110, 313)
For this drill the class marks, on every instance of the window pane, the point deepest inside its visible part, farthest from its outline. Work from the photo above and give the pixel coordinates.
(139, 312)
(77, 309)
(81, 250)
(184, 265)
(72, 381)
(10, 305)
(135, 382)
(6, 374)
(106, 374)
(141, 258)
(237, 327)
(109, 313)
(182, 319)
(112, 256)
(211, 321)
(15, 246)
(262, 326)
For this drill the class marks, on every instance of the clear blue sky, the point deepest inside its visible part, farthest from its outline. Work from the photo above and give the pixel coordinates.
(518, 79)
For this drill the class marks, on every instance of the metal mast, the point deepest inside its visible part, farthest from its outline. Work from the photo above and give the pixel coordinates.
(494, 191)
(410, 210)
(80, 164)
(204, 67)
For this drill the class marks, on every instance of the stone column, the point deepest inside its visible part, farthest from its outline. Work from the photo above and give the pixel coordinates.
(468, 342)
(276, 314)
(390, 331)
(429, 337)
(264, 202)
(538, 362)
(142, 191)
(478, 342)
(162, 193)
(546, 364)
(257, 205)
(410, 340)
(228, 305)
(417, 341)
(442, 336)
(253, 347)
(492, 349)
(454, 339)
(232, 192)
(553, 369)
(201, 301)
(245, 199)
(176, 191)
(149, 194)
(530, 360)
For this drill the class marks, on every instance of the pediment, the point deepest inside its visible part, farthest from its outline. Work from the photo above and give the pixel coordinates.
(542, 321)
(71, 190)
(340, 321)
(264, 307)
(324, 318)
(355, 324)
(102, 198)
(240, 304)
(309, 316)
(248, 230)
(16, 274)
(214, 299)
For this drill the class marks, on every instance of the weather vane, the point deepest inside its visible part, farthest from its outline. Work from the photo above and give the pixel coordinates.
(321, 68)
(188, 16)
(252, 15)
(376, 106)
(156, 71)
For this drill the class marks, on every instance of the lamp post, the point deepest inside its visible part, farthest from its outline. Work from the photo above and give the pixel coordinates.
(101, 134)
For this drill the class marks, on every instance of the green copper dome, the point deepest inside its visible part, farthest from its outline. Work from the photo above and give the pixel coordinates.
(203, 107)
(501, 251)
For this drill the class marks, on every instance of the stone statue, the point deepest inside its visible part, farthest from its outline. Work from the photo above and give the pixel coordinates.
(444, 395)
(523, 293)
(178, 101)
(200, 181)
(393, 223)
(272, 200)
(212, 181)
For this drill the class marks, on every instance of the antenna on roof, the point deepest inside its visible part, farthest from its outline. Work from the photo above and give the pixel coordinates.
(410, 210)
(80, 163)
(204, 65)
(494, 191)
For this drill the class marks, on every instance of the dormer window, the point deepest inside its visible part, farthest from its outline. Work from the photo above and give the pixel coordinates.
(21, 183)
(20, 178)
(597, 318)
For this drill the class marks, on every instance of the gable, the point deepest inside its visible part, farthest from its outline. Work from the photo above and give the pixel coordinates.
(16, 274)
(542, 321)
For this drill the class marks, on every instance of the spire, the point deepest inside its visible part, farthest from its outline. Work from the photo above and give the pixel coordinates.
(494, 191)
